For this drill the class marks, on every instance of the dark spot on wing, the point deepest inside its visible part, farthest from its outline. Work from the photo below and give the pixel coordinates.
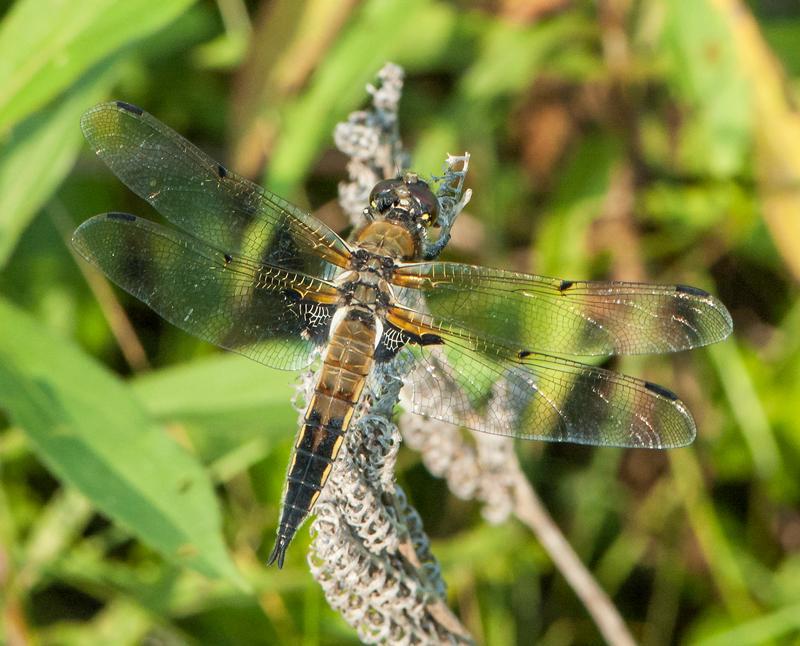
(392, 341)
(222, 171)
(524, 353)
(565, 285)
(589, 397)
(660, 390)
(125, 217)
(431, 339)
(316, 317)
(282, 250)
(129, 107)
(228, 259)
(292, 295)
(140, 269)
(688, 289)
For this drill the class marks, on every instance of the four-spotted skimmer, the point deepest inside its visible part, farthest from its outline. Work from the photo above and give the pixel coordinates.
(482, 348)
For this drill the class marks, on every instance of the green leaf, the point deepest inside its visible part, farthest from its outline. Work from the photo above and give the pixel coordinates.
(338, 84)
(513, 55)
(220, 383)
(90, 432)
(39, 154)
(45, 45)
(770, 627)
(561, 244)
(235, 410)
(708, 76)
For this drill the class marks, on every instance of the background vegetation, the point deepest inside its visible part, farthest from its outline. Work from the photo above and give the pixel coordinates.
(141, 470)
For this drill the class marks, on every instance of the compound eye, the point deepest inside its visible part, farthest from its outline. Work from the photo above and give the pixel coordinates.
(428, 204)
(384, 194)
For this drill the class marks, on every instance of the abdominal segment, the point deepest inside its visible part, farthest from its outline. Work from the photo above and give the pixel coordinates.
(346, 363)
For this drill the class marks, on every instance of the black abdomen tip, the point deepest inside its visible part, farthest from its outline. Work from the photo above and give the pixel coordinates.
(129, 107)
(279, 551)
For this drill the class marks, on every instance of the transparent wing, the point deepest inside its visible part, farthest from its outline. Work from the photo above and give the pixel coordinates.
(487, 387)
(204, 198)
(563, 316)
(264, 312)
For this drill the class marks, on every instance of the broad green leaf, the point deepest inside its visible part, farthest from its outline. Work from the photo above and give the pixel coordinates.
(768, 628)
(708, 76)
(45, 45)
(235, 410)
(561, 243)
(338, 84)
(89, 430)
(120, 616)
(513, 55)
(220, 383)
(748, 409)
(782, 35)
(38, 155)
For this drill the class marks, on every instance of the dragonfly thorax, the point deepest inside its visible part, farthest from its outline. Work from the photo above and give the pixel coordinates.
(389, 239)
(365, 289)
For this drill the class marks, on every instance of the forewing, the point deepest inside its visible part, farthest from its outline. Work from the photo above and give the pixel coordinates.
(565, 317)
(204, 198)
(270, 314)
(491, 388)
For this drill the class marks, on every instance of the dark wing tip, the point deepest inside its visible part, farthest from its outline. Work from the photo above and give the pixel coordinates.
(694, 291)
(660, 390)
(278, 552)
(124, 217)
(678, 428)
(129, 107)
(726, 326)
(79, 237)
(88, 117)
(713, 309)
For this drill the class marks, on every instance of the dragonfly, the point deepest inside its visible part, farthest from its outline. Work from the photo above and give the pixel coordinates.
(252, 273)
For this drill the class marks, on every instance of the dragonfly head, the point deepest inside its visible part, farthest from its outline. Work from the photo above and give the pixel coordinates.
(407, 200)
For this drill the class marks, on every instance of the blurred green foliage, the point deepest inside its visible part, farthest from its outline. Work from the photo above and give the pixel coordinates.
(649, 139)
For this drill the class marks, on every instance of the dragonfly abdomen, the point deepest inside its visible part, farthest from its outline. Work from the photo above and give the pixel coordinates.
(346, 364)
